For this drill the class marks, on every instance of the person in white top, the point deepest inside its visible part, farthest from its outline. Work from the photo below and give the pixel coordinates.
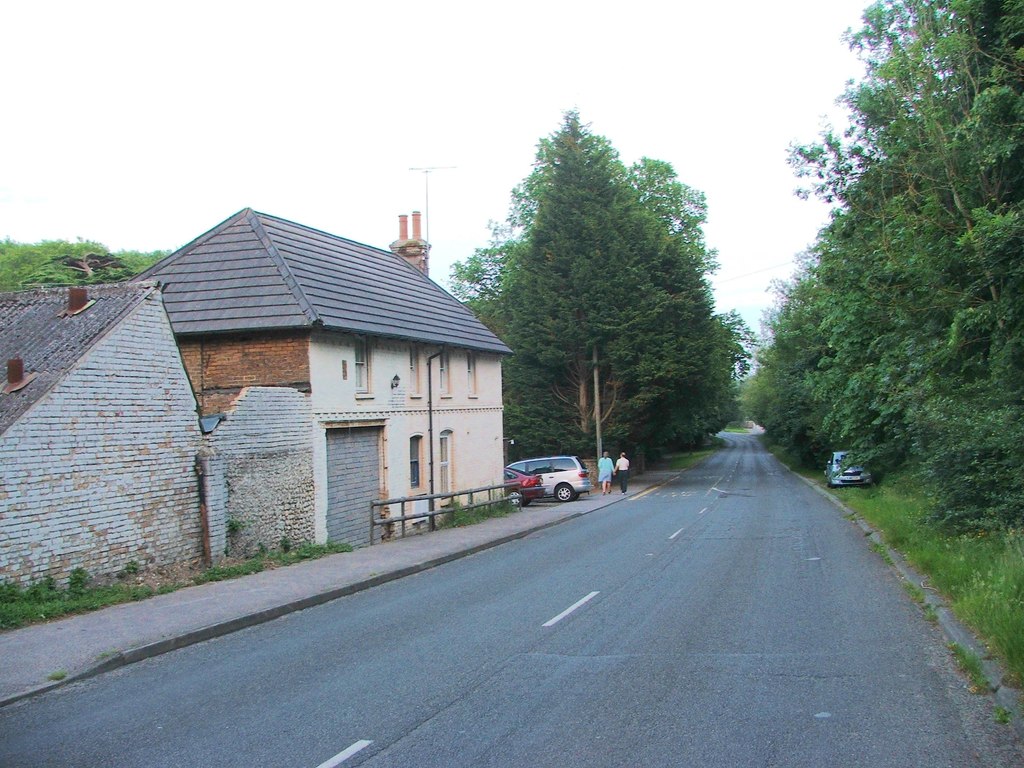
(622, 471)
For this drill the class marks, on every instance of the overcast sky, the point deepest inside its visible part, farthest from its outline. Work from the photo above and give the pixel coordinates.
(141, 125)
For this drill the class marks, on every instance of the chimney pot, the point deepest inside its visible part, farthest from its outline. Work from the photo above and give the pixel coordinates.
(416, 226)
(15, 370)
(78, 297)
(403, 227)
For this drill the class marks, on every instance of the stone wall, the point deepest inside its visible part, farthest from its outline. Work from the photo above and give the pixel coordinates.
(259, 483)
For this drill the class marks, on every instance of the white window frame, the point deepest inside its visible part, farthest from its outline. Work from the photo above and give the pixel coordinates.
(416, 458)
(443, 371)
(364, 366)
(415, 366)
(471, 373)
(445, 461)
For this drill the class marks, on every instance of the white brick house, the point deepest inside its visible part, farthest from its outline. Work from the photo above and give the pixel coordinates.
(98, 435)
(260, 302)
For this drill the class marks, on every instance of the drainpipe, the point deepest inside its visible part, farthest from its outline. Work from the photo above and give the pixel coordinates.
(430, 422)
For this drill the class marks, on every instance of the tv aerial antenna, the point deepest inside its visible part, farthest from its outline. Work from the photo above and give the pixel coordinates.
(426, 189)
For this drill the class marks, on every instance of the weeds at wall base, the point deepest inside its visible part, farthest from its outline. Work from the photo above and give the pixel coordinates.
(44, 601)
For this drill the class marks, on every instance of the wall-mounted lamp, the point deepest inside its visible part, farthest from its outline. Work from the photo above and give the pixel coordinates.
(395, 382)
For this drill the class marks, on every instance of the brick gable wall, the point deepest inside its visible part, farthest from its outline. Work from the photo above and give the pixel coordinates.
(219, 367)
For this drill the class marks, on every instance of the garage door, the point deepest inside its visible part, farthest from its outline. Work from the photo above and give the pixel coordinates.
(353, 481)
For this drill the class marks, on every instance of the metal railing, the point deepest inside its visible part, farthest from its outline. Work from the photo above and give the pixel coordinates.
(381, 517)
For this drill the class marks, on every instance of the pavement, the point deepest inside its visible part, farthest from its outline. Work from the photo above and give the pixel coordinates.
(80, 647)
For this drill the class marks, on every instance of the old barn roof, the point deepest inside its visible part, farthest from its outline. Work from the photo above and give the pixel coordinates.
(258, 272)
(37, 329)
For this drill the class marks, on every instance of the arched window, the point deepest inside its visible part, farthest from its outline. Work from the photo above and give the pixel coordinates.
(415, 448)
(445, 452)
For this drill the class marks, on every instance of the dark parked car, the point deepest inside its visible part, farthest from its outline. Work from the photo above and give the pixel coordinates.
(522, 488)
(838, 473)
(564, 477)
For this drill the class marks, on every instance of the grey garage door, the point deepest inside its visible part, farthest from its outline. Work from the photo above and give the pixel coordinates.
(353, 481)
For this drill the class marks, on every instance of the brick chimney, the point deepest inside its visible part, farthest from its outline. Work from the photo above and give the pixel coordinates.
(415, 250)
(77, 299)
(78, 302)
(16, 378)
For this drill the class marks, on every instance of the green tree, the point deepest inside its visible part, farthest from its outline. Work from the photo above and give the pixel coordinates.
(59, 262)
(914, 351)
(603, 263)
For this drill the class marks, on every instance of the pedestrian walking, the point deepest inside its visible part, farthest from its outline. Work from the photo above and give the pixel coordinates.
(605, 469)
(622, 471)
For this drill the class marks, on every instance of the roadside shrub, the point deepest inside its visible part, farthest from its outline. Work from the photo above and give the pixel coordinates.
(973, 459)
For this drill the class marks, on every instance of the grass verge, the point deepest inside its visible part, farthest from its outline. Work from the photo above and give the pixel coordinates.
(688, 459)
(43, 601)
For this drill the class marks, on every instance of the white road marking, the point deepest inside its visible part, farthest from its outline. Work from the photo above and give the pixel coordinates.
(713, 488)
(675, 534)
(341, 757)
(570, 609)
(703, 511)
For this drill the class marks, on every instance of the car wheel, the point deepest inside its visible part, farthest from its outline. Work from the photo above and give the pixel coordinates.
(564, 492)
(515, 498)
(525, 502)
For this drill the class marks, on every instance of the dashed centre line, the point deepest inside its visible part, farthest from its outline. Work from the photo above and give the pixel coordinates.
(570, 609)
(341, 757)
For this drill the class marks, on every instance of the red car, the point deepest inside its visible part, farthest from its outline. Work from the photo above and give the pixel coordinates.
(522, 488)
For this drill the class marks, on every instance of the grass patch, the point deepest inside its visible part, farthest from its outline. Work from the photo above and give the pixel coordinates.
(21, 606)
(792, 461)
(60, 674)
(261, 562)
(1002, 715)
(915, 592)
(44, 601)
(882, 551)
(971, 666)
(688, 459)
(460, 517)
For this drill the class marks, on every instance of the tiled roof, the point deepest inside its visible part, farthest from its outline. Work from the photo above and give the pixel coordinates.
(255, 271)
(35, 328)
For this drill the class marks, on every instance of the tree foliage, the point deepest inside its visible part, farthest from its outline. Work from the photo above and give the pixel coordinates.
(600, 262)
(903, 336)
(59, 262)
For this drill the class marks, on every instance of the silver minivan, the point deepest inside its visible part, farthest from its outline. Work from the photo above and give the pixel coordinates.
(838, 473)
(564, 477)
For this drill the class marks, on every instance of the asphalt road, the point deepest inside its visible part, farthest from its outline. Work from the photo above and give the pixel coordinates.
(731, 618)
